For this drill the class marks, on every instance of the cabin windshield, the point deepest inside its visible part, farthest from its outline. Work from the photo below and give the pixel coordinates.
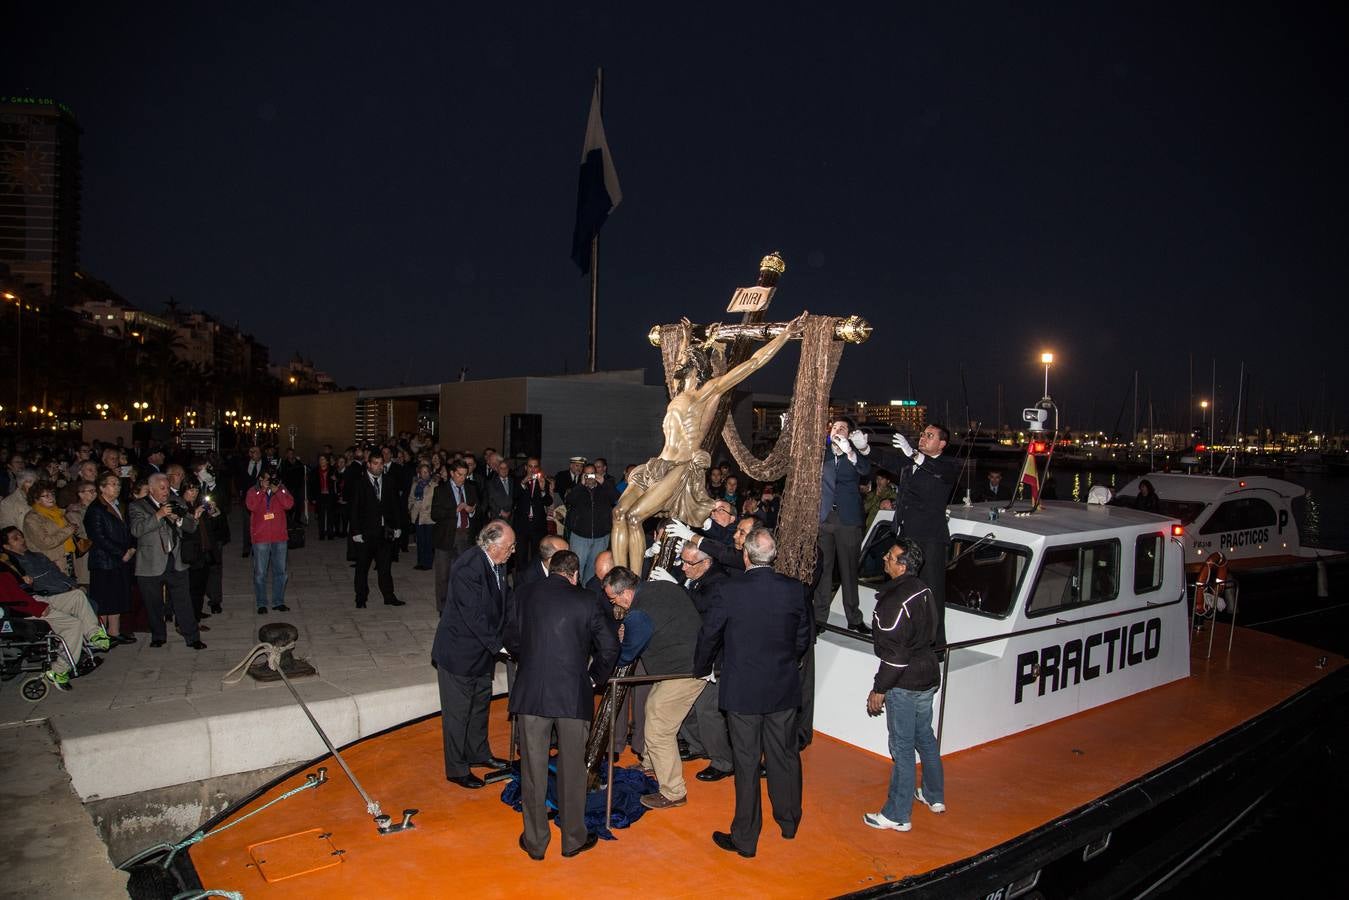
(986, 580)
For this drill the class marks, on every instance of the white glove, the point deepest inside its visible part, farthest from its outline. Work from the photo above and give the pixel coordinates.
(397, 533)
(358, 538)
(902, 444)
(652, 550)
(658, 573)
(710, 678)
(707, 523)
(838, 444)
(859, 440)
(678, 529)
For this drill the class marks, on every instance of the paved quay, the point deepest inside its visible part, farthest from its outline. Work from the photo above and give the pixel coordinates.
(150, 718)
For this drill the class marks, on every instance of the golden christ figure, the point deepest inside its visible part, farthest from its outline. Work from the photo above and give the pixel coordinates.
(673, 483)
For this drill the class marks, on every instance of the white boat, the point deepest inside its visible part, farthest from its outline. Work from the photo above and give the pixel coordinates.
(1249, 519)
(1047, 613)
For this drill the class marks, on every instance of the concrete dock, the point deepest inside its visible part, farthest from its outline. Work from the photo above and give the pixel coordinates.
(160, 719)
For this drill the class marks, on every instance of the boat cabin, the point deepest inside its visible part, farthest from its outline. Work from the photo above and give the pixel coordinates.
(1047, 614)
(1250, 520)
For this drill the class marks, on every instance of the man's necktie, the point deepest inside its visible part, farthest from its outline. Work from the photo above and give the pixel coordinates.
(459, 498)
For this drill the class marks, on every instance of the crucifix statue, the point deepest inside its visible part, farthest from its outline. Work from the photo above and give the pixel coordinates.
(700, 373)
(702, 364)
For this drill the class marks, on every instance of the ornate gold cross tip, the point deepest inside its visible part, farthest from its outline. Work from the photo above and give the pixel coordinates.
(851, 330)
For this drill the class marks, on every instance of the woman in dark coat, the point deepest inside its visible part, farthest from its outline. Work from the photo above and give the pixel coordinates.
(1147, 501)
(110, 557)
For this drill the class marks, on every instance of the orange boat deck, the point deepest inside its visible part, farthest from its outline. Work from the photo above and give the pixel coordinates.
(465, 841)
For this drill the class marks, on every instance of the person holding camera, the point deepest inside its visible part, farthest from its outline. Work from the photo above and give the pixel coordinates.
(590, 507)
(376, 509)
(268, 502)
(158, 523)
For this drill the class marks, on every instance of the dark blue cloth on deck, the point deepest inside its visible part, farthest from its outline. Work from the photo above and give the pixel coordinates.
(629, 786)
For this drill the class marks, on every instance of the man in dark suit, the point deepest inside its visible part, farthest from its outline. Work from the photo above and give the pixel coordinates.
(528, 573)
(530, 514)
(501, 491)
(841, 518)
(927, 477)
(453, 507)
(468, 641)
(245, 480)
(763, 621)
(992, 490)
(376, 523)
(564, 650)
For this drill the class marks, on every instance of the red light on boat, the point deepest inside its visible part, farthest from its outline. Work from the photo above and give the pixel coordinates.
(1241, 484)
(1038, 447)
(1177, 530)
(1200, 448)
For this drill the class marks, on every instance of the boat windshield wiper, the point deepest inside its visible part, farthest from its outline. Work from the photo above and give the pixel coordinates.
(971, 548)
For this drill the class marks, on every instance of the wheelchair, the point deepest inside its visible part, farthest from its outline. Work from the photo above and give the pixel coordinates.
(28, 647)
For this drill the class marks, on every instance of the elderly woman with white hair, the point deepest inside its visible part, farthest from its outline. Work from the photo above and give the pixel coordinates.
(14, 508)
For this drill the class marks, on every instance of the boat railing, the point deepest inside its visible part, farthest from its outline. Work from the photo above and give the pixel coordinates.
(945, 650)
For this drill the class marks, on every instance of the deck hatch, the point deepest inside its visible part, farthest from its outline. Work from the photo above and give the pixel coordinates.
(295, 854)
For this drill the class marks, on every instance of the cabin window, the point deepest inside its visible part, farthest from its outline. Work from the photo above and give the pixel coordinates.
(1148, 570)
(987, 579)
(1076, 575)
(1239, 515)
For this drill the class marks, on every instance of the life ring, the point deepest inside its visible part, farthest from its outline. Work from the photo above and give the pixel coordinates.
(1210, 584)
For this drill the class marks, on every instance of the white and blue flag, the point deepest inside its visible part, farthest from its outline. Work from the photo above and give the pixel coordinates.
(598, 193)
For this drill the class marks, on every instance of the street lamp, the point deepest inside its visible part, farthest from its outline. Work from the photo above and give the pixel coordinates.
(1047, 359)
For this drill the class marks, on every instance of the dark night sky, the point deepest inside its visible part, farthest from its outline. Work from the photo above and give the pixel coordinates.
(392, 193)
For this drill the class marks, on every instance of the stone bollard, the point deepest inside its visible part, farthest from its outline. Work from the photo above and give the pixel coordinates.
(279, 634)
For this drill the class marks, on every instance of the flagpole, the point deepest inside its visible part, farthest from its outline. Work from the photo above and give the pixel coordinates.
(595, 257)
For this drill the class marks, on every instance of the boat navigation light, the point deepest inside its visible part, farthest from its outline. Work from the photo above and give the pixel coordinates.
(1241, 484)
(1177, 530)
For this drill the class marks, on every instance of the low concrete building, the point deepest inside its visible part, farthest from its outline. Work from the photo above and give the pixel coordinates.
(611, 414)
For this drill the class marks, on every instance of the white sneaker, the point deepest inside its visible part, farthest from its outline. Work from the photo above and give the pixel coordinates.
(937, 807)
(878, 820)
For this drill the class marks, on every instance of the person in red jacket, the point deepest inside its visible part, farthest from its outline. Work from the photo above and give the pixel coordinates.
(267, 503)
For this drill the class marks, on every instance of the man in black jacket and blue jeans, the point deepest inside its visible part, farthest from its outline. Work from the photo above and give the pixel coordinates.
(905, 625)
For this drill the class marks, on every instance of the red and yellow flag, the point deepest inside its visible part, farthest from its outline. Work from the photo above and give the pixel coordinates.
(1031, 476)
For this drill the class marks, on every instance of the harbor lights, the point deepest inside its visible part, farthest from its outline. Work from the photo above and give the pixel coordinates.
(1047, 359)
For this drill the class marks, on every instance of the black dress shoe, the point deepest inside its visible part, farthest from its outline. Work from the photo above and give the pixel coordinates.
(201, 627)
(124, 638)
(215, 609)
(726, 842)
(394, 602)
(262, 610)
(282, 608)
(690, 756)
(203, 615)
(526, 849)
(360, 604)
(712, 773)
(861, 628)
(591, 840)
(492, 762)
(197, 645)
(158, 642)
(470, 781)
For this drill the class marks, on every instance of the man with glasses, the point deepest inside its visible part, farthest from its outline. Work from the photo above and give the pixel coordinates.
(927, 477)
(468, 642)
(719, 540)
(705, 726)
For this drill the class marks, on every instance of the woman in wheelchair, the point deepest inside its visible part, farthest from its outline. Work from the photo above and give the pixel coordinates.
(51, 595)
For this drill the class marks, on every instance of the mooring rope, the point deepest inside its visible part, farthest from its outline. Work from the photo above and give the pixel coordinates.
(273, 651)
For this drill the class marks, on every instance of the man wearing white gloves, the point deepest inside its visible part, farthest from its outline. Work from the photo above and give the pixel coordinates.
(841, 518)
(927, 477)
